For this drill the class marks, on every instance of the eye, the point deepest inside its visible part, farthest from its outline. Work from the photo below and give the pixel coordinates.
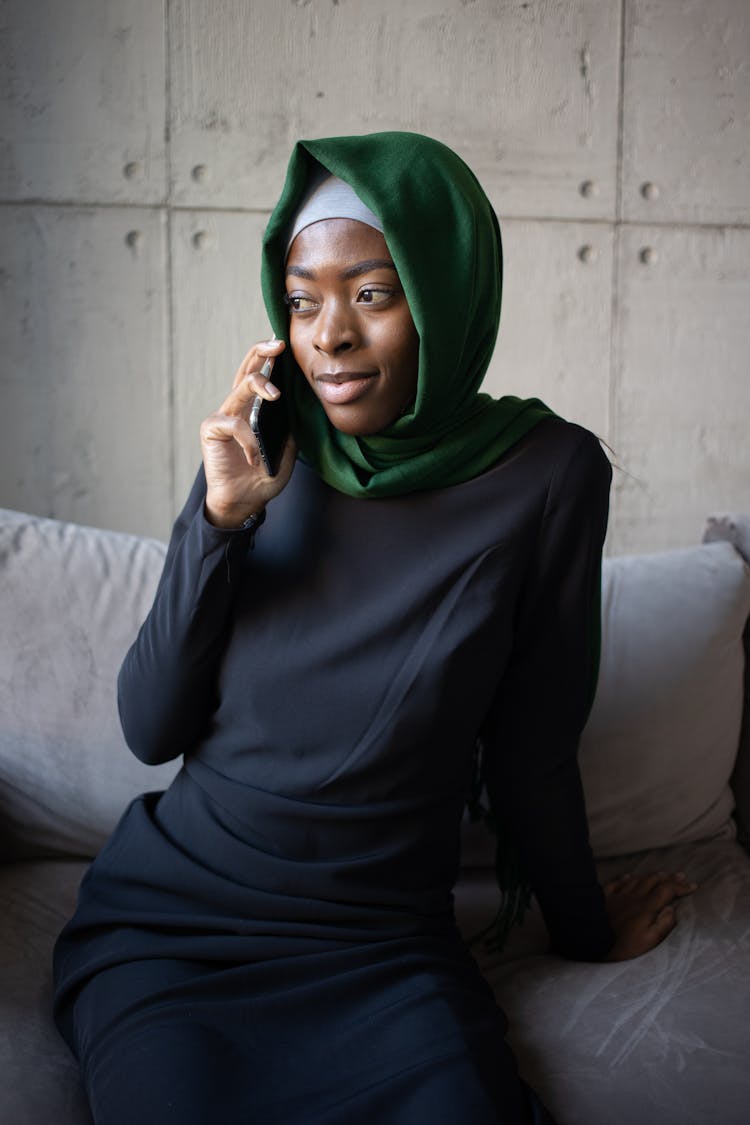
(372, 296)
(297, 303)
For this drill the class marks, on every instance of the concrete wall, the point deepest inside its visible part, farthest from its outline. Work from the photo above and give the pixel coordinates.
(145, 142)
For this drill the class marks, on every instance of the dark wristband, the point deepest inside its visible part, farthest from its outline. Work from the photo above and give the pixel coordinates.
(252, 523)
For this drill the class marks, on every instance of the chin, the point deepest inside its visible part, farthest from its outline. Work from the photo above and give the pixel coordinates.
(354, 430)
(357, 423)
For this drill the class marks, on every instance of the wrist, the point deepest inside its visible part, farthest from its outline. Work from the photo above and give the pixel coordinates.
(234, 519)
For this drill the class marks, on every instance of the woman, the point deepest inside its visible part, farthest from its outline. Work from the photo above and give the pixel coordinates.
(272, 940)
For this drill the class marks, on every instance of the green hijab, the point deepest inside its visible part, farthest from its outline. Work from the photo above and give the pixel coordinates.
(444, 239)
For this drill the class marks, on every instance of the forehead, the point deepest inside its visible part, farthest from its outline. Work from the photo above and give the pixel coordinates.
(336, 243)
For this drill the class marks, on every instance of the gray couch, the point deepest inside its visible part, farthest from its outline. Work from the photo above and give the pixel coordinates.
(663, 1040)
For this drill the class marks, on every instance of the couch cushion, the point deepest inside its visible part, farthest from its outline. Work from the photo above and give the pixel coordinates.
(40, 1076)
(662, 1038)
(660, 745)
(662, 738)
(72, 601)
(736, 530)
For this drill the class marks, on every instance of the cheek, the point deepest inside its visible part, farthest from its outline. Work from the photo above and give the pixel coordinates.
(297, 343)
(409, 351)
(399, 339)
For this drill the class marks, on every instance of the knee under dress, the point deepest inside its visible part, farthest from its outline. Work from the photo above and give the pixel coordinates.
(272, 939)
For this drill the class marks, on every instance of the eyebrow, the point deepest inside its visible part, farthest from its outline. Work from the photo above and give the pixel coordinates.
(351, 271)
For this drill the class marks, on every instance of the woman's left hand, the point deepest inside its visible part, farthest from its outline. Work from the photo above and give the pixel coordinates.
(641, 911)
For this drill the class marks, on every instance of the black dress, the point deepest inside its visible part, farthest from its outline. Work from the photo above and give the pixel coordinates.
(272, 940)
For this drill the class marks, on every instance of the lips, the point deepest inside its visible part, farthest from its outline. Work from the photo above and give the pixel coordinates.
(343, 386)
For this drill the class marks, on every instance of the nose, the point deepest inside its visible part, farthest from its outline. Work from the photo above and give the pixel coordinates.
(335, 329)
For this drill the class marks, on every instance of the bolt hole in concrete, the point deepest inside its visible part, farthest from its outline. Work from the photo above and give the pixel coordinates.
(648, 256)
(202, 239)
(200, 173)
(134, 239)
(589, 189)
(587, 254)
(650, 190)
(133, 170)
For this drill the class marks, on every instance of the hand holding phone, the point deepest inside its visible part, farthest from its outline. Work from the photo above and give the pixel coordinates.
(239, 483)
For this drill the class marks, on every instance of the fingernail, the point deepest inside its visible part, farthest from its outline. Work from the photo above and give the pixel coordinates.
(274, 391)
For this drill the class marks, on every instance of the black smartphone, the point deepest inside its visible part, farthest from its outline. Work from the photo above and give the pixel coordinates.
(270, 424)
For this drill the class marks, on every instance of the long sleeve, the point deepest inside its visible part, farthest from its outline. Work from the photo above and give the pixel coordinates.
(167, 682)
(531, 738)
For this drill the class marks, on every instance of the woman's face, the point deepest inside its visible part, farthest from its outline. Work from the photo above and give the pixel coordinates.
(350, 328)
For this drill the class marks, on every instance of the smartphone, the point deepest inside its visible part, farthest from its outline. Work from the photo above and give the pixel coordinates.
(270, 424)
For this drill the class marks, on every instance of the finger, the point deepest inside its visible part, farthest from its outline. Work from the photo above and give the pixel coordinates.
(628, 883)
(240, 398)
(643, 885)
(679, 883)
(260, 366)
(264, 349)
(670, 891)
(663, 924)
(683, 886)
(256, 356)
(661, 896)
(222, 428)
(616, 883)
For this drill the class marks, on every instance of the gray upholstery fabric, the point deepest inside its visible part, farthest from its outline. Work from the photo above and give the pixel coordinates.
(664, 1038)
(40, 1083)
(661, 741)
(736, 530)
(741, 776)
(72, 601)
(661, 1040)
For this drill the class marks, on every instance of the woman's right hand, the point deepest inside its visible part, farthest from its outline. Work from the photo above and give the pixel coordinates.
(641, 910)
(237, 484)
